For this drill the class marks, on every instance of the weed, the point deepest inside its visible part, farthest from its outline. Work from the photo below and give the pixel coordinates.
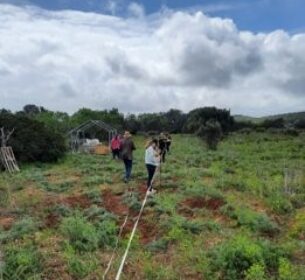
(21, 228)
(22, 263)
(82, 235)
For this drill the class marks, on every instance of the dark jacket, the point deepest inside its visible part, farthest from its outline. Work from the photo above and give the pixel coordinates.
(127, 148)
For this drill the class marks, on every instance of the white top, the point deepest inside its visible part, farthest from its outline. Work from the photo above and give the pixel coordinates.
(150, 156)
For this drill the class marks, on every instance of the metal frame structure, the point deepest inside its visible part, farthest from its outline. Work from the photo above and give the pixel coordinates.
(75, 133)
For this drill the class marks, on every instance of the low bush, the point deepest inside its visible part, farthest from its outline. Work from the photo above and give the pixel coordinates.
(21, 228)
(80, 266)
(22, 263)
(82, 235)
(243, 257)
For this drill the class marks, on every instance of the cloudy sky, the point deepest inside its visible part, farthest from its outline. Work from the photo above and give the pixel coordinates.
(247, 56)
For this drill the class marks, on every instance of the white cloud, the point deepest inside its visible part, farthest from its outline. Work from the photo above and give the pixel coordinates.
(67, 60)
(136, 10)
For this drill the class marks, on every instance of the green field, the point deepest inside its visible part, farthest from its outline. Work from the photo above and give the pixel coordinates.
(234, 213)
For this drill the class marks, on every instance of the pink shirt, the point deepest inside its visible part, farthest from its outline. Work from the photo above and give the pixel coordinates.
(115, 144)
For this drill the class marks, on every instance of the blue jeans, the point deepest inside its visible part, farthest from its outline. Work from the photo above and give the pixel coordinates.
(128, 168)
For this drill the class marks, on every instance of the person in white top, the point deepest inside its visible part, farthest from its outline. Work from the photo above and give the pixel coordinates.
(152, 160)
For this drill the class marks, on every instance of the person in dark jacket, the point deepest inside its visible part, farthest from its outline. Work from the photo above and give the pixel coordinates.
(127, 148)
(168, 142)
(162, 146)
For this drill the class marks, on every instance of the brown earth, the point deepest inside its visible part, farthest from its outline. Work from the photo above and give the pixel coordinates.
(113, 203)
(52, 220)
(6, 222)
(148, 230)
(202, 202)
(75, 201)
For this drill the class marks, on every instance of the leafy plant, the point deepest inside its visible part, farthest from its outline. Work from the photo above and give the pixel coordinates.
(21, 263)
(82, 235)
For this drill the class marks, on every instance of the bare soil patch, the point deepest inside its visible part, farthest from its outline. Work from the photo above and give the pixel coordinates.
(113, 203)
(202, 202)
(77, 201)
(6, 222)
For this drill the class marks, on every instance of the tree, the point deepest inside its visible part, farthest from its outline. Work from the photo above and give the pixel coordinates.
(32, 140)
(200, 116)
(132, 124)
(211, 132)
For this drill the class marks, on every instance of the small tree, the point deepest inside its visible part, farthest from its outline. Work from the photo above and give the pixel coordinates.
(211, 132)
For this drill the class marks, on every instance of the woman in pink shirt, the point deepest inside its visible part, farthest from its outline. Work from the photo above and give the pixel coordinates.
(115, 147)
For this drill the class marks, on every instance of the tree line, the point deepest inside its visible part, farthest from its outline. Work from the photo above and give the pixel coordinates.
(40, 134)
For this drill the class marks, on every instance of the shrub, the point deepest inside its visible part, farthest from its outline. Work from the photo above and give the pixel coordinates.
(287, 271)
(298, 227)
(280, 204)
(32, 141)
(80, 266)
(237, 256)
(21, 228)
(242, 257)
(255, 221)
(82, 235)
(211, 132)
(256, 272)
(22, 263)
(4, 196)
(107, 232)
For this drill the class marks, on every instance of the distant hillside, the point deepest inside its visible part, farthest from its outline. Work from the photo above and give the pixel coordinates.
(289, 117)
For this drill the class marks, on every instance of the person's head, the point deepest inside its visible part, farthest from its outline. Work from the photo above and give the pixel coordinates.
(127, 134)
(152, 143)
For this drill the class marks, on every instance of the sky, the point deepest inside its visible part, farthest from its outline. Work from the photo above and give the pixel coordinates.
(150, 56)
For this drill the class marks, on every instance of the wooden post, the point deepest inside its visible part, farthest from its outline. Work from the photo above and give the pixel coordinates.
(7, 156)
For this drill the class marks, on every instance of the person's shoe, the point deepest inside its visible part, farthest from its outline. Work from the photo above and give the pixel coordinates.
(125, 180)
(151, 192)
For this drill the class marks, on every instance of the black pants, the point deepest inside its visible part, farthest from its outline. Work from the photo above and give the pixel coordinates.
(151, 169)
(163, 154)
(116, 153)
(168, 145)
(128, 168)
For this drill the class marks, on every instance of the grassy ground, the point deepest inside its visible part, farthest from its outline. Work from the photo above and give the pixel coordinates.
(237, 213)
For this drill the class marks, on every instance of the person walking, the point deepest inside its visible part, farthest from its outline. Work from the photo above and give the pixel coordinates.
(152, 160)
(162, 146)
(115, 147)
(127, 148)
(168, 142)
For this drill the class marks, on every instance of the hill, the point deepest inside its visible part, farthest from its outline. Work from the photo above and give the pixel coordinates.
(288, 117)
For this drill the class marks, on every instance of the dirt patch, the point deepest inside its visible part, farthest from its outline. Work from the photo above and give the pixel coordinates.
(77, 201)
(202, 202)
(147, 230)
(52, 220)
(6, 222)
(113, 203)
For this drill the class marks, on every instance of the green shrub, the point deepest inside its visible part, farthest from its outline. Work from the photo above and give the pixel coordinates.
(80, 266)
(32, 141)
(82, 235)
(237, 256)
(160, 245)
(280, 204)
(256, 221)
(21, 263)
(4, 196)
(287, 271)
(256, 272)
(107, 232)
(21, 228)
